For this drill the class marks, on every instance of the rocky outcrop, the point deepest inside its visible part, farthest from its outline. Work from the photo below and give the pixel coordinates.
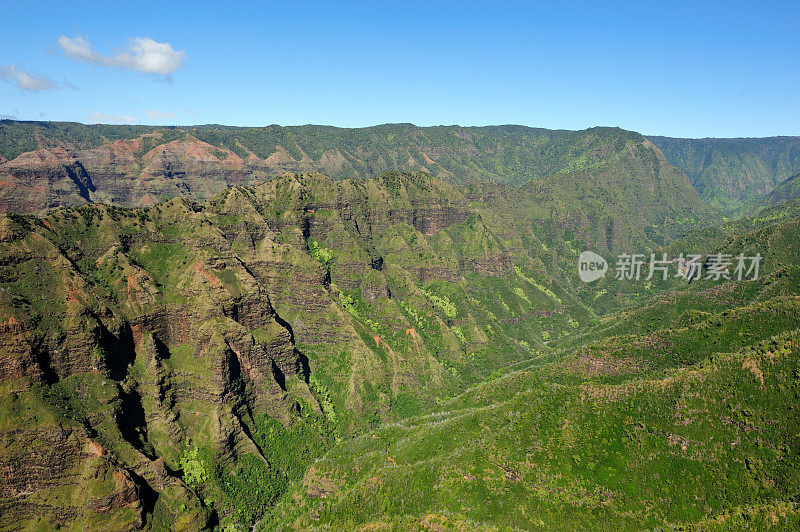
(57, 474)
(120, 173)
(42, 179)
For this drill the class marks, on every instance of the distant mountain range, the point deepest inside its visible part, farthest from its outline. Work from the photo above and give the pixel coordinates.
(785, 192)
(46, 164)
(730, 174)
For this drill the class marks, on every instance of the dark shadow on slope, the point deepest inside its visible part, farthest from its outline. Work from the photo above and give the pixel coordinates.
(42, 358)
(278, 375)
(162, 351)
(302, 359)
(78, 174)
(285, 324)
(305, 370)
(236, 381)
(132, 423)
(120, 351)
(147, 495)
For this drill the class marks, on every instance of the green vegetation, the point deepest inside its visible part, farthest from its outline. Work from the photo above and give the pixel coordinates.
(537, 285)
(322, 254)
(441, 303)
(786, 192)
(400, 353)
(583, 455)
(195, 470)
(254, 485)
(729, 174)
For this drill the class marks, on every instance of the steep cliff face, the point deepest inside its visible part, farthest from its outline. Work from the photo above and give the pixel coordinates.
(124, 172)
(42, 179)
(140, 364)
(52, 470)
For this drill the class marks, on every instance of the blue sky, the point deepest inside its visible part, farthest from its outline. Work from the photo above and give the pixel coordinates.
(690, 69)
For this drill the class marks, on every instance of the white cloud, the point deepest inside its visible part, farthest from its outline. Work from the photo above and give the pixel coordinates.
(160, 115)
(102, 118)
(143, 54)
(27, 81)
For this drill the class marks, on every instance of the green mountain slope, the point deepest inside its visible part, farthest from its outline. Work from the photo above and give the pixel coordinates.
(730, 173)
(398, 352)
(680, 413)
(188, 342)
(784, 193)
(708, 447)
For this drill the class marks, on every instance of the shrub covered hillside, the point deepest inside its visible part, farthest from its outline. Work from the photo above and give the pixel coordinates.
(183, 364)
(397, 352)
(679, 413)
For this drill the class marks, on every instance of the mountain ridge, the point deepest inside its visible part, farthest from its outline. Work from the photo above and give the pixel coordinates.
(727, 173)
(198, 162)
